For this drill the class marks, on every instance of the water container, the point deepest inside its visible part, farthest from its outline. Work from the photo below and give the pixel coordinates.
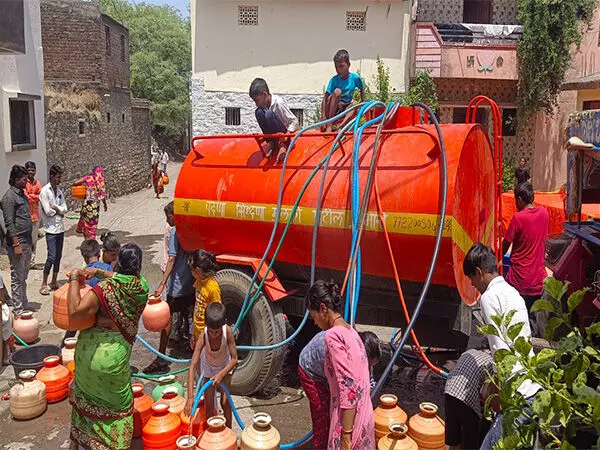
(56, 377)
(186, 442)
(218, 436)
(164, 382)
(68, 352)
(60, 313)
(27, 327)
(397, 439)
(427, 429)
(261, 435)
(156, 314)
(386, 414)
(175, 401)
(199, 423)
(142, 408)
(162, 429)
(28, 397)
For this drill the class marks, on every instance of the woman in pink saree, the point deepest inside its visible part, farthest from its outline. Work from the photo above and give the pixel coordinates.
(95, 185)
(347, 370)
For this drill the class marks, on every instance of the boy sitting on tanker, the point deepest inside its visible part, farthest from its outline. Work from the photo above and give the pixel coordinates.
(273, 117)
(340, 90)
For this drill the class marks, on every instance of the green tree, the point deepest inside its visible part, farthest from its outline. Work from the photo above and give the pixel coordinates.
(422, 89)
(161, 62)
(550, 29)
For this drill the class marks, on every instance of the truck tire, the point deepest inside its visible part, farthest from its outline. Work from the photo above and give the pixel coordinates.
(264, 325)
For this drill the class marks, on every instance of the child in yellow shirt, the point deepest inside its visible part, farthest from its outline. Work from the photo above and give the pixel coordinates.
(203, 266)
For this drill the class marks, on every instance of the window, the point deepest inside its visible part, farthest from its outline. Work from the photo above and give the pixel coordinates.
(232, 116)
(107, 117)
(107, 34)
(22, 124)
(81, 126)
(459, 115)
(591, 104)
(509, 122)
(477, 11)
(299, 113)
(122, 47)
(247, 15)
(356, 21)
(123, 118)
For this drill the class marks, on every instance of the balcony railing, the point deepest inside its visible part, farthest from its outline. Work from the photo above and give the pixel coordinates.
(479, 34)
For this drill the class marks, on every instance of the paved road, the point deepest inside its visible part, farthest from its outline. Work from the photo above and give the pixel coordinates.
(139, 218)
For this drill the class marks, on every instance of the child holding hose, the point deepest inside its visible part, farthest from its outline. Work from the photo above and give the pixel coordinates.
(216, 352)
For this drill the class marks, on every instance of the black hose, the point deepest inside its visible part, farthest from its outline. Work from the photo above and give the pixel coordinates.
(436, 250)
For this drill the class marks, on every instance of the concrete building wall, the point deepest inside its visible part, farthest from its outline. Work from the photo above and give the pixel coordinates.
(292, 47)
(22, 75)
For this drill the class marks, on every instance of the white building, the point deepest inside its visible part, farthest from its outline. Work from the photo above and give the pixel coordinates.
(291, 45)
(22, 136)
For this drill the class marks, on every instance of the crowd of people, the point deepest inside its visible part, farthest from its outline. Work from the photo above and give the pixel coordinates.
(335, 367)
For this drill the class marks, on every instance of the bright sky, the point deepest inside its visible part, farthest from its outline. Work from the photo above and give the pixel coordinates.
(181, 5)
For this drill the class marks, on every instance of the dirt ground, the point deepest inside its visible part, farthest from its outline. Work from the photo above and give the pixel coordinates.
(139, 218)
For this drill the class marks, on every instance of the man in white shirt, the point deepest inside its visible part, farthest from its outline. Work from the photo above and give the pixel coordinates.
(53, 209)
(498, 298)
(273, 116)
(164, 161)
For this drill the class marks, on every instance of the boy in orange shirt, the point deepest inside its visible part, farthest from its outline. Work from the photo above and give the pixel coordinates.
(203, 266)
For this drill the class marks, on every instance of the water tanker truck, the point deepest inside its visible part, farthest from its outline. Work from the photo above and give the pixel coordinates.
(227, 197)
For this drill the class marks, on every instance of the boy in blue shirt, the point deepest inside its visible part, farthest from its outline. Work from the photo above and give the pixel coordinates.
(340, 90)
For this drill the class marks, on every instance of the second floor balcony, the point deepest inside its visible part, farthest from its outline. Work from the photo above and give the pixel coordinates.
(466, 50)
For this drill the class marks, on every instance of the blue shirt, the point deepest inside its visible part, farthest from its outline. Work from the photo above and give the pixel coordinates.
(97, 265)
(312, 358)
(347, 86)
(181, 281)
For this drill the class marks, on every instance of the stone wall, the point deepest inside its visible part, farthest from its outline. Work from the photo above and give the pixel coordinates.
(122, 148)
(208, 109)
(116, 60)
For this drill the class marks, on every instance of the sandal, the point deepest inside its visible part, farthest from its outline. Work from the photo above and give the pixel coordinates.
(158, 365)
(45, 290)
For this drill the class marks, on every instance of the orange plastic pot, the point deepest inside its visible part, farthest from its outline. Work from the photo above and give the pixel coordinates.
(175, 401)
(386, 414)
(56, 377)
(165, 179)
(427, 429)
(162, 429)
(198, 424)
(186, 442)
(156, 314)
(218, 436)
(27, 327)
(142, 408)
(78, 192)
(60, 313)
(397, 439)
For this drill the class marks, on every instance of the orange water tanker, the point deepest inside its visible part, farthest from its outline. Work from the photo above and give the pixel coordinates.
(226, 199)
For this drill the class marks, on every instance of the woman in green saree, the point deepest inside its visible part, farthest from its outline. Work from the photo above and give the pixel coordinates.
(101, 394)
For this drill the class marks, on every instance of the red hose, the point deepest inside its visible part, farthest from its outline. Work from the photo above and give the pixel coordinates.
(397, 278)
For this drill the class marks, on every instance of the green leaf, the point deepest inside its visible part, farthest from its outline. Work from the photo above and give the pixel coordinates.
(551, 326)
(564, 445)
(573, 369)
(593, 330)
(542, 403)
(497, 319)
(488, 329)
(591, 351)
(544, 355)
(557, 289)
(543, 305)
(575, 299)
(569, 344)
(514, 330)
(501, 354)
(523, 347)
(507, 319)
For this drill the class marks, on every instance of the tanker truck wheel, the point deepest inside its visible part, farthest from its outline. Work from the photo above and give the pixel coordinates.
(264, 325)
